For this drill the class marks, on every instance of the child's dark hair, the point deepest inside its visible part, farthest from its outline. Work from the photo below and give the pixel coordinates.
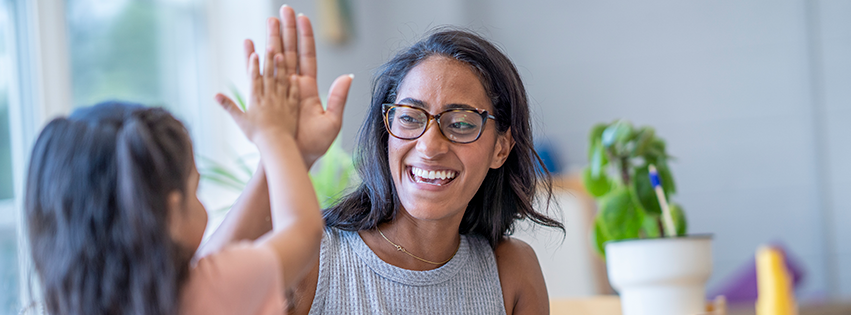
(97, 213)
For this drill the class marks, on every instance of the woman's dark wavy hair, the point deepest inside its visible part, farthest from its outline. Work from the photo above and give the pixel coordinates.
(507, 193)
(96, 210)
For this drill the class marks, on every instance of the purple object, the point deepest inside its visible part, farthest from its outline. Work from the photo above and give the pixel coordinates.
(741, 287)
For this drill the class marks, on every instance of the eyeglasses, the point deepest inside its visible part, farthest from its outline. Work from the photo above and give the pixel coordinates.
(457, 125)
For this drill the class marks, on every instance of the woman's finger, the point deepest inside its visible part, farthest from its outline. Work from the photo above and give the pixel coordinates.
(254, 76)
(306, 47)
(273, 35)
(292, 94)
(338, 94)
(248, 45)
(289, 39)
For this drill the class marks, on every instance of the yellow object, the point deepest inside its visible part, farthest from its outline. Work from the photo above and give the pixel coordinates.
(774, 283)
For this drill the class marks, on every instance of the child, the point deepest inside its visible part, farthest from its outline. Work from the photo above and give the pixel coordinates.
(114, 220)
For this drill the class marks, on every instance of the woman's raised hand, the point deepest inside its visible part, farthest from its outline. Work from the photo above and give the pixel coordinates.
(317, 127)
(273, 107)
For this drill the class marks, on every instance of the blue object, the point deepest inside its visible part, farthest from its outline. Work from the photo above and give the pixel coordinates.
(548, 154)
(654, 178)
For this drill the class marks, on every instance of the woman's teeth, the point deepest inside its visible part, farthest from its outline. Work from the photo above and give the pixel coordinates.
(432, 177)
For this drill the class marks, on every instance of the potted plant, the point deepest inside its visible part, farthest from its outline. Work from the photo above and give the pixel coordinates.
(655, 267)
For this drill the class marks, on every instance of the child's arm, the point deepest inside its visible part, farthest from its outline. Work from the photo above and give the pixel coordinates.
(317, 128)
(270, 123)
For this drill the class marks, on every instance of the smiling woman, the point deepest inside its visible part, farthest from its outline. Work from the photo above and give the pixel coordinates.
(427, 230)
(429, 225)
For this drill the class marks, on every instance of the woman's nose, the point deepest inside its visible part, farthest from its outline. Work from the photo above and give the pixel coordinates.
(432, 143)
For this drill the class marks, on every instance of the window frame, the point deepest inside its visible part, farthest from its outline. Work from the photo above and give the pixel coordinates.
(40, 64)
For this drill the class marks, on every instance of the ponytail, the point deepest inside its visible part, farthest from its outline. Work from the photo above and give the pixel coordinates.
(97, 211)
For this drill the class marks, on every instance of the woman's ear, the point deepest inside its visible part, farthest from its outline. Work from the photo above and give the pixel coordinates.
(504, 145)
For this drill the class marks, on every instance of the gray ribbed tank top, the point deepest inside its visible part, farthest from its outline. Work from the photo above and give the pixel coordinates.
(353, 280)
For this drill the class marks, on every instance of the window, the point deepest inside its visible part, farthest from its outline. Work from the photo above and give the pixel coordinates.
(139, 51)
(114, 51)
(148, 52)
(8, 240)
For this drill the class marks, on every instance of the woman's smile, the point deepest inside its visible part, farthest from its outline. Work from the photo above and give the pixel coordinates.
(431, 176)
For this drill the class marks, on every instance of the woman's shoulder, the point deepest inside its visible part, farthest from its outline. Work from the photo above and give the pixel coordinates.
(523, 286)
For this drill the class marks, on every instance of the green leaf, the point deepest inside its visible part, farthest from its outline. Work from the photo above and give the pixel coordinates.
(220, 174)
(679, 218)
(222, 181)
(643, 139)
(596, 186)
(599, 239)
(598, 159)
(650, 227)
(618, 133)
(645, 192)
(618, 216)
(332, 175)
(656, 149)
(666, 177)
(596, 136)
(238, 97)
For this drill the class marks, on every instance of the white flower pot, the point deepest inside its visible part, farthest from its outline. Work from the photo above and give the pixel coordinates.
(664, 276)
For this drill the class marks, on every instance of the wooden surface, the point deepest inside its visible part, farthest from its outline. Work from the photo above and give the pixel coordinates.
(596, 305)
(823, 309)
(611, 305)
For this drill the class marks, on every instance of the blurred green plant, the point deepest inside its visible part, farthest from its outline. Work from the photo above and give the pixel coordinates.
(332, 175)
(617, 176)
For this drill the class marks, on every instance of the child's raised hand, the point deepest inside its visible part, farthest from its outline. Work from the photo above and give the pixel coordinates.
(274, 103)
(317, 126)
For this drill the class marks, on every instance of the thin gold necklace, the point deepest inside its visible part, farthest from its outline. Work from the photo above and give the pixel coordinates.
(402, 249)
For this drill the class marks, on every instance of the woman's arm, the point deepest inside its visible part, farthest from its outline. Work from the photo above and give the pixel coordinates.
(523, 287)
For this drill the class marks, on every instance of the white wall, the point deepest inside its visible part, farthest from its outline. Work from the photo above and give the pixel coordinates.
(752, 96)
(834, 90)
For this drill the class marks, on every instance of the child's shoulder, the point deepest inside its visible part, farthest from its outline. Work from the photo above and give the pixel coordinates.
(243, 278)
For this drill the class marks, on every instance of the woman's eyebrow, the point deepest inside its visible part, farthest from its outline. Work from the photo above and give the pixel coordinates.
(418, 103)
(413, 102)
(460, 106)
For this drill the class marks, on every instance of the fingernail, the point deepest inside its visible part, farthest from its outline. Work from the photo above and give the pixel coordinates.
(220, 98)
(300, 14)
(352, 75)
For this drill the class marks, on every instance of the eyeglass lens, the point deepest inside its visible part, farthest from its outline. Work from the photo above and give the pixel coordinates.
(456, 125)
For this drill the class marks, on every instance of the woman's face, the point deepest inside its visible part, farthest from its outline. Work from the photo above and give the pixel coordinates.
(437, 84)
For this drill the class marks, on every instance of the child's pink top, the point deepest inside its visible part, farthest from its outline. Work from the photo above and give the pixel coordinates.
(244, 278)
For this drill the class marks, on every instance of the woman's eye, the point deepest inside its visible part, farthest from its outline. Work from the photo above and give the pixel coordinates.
(461, 126)
(409, 121)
